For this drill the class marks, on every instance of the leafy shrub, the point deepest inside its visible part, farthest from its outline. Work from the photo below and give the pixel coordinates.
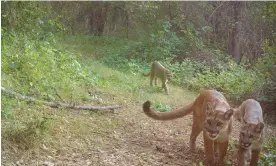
(163, 44)
(31, 18)
(266, 67)
(185, 71)
(162, 108)
(232, 79)
(193, 39)
(7, 106)
(268, 158)
(31, 64)
(38, 68)
(235, 80)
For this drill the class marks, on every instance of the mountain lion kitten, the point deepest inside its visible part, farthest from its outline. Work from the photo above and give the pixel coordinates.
(249, 113)
(159, 71)
(211, 113)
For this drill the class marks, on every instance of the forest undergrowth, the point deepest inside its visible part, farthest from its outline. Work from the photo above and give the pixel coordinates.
(47, 53)
(67, 70)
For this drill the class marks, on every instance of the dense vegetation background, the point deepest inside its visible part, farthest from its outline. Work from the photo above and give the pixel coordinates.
(48, 48)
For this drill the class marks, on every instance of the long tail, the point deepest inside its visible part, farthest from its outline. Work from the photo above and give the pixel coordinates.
(146, 75)
(167, 115)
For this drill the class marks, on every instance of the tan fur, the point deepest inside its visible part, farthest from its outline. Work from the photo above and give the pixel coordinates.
(159, 71)
(211, 113)
(251, 133)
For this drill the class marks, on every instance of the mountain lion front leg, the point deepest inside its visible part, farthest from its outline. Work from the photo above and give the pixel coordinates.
(155, 81)
(151, 79)
(209, 148)
(195, 132)
(222, 151)
(254, 158)
(243, 155)
(164, 85)
(216, 147)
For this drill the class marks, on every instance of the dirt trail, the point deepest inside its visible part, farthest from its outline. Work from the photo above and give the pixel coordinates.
(147, 142)
(135, 139)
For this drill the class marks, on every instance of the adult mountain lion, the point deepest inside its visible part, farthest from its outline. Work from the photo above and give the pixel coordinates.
(211, 113)
(159, 71)
(249, 113)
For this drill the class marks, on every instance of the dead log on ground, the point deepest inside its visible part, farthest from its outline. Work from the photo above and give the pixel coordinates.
(58, 105)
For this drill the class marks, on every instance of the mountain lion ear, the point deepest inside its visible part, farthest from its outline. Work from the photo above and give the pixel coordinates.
(228, 114)
(259, 128)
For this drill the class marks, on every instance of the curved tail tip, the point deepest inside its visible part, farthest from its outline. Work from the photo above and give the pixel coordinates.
(146, 106)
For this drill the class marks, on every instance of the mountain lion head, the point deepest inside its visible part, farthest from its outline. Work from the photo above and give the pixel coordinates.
(169, 75)
(216, 120)
(250, 132)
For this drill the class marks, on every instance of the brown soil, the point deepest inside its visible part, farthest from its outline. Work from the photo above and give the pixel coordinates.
(125, 138)
(143, 141)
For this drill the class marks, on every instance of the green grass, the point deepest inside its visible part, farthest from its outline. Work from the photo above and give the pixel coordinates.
(34, 131)
(268, 156)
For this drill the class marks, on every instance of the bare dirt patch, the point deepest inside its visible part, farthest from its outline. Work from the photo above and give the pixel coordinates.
(127, 137)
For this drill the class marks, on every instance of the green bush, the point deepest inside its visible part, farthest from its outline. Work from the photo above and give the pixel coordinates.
(39, 69)
(235, 81)
(266, 67)
(31, 62)
(187, 70)
(268, 158)
(161, 108)
(7, 104)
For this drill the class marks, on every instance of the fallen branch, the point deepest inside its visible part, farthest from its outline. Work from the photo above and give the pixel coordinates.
(58, 105)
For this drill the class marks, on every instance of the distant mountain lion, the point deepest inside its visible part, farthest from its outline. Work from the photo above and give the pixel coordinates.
(159, 71)
(211, 113)
(250, 115)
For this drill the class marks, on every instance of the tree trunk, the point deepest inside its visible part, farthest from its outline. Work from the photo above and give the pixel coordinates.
(127, 23)
(234, 48)
(98, 18)
(215, 19)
